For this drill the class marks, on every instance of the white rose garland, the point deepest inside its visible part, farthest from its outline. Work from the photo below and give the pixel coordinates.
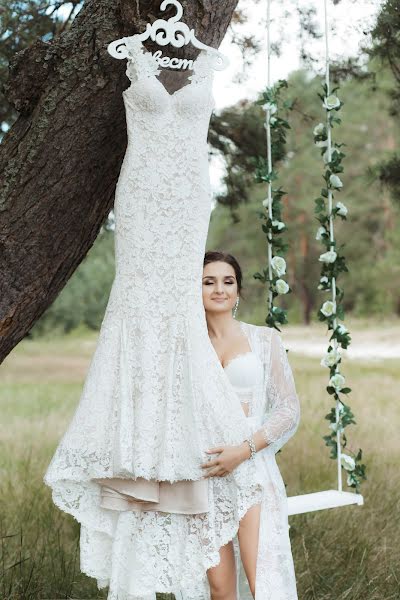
(274, 226)
(332, 264)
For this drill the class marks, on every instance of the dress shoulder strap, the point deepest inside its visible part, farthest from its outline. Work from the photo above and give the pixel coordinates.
(140, 62)
(202, 68)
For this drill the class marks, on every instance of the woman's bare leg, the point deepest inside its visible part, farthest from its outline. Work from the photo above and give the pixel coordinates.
(249, 527)
(222, 577)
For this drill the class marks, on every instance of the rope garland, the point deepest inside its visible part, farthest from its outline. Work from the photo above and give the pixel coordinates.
(332, 237)
(273, 225)
(269, 156)
(333, 263)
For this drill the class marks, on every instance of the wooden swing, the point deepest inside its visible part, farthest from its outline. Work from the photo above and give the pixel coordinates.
(332, 498)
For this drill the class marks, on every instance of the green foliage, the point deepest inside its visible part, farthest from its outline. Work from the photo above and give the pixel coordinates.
(238, 135)
(333, 264)
(386, 50)
(273, 226)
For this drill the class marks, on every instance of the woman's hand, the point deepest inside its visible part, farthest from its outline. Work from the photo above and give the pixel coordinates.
(229, 458)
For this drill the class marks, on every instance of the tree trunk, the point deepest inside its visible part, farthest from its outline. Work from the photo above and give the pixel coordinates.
(60, 162)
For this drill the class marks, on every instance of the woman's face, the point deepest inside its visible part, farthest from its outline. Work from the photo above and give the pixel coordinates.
(220, 288)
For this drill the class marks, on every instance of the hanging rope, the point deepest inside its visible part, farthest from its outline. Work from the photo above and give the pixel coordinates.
(273, 225)
(332, 240)
(269, 158)
(333, 264)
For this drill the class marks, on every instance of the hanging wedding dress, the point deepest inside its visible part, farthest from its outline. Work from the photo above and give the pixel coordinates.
(156, 396)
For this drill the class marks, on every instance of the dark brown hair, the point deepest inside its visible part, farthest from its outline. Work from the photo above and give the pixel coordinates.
(216, 255)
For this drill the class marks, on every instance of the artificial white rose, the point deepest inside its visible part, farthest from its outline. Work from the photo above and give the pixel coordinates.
(281, 286)
(319, 129)
(337, 381)
(342, 209)
(328, 308)
(279, 265)
(335, 181)
(273, 120)
(331, 102)
(265, 202)
(278, 224)
(331, 358)
(271, 107)
(348, 462)
(320, 231)
(328, 257)
(321, 143)
(323, 283)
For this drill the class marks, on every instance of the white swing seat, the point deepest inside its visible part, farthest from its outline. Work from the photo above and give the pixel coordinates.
(321, 500)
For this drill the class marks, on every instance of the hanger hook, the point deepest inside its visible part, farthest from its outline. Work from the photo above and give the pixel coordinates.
(178, 6)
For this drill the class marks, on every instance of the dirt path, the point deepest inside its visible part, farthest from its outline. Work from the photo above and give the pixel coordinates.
(368, 342)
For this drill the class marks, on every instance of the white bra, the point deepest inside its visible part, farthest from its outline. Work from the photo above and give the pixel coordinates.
(244, 372)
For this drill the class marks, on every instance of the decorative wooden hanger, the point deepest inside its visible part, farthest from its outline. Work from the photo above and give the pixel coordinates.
(172, 32)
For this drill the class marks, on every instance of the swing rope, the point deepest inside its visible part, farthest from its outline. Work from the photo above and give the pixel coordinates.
(269, 158)
(332, 236)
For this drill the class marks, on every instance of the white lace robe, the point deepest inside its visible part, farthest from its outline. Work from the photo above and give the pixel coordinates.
(275, 408)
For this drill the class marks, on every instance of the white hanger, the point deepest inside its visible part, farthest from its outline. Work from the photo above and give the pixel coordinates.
(172, 32)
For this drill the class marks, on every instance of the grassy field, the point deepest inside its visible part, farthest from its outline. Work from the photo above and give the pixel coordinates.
(349, 553)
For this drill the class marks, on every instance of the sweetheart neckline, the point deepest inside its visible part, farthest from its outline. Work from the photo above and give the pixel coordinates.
(235, 357)
(154, 76)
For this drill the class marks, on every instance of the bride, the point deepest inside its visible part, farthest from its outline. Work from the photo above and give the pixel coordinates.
(221, 285)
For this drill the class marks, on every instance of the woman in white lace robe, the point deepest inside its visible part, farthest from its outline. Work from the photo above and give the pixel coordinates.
(262, 546)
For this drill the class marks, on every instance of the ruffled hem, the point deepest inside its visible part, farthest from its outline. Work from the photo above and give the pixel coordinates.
(139, 553)
(99, 445)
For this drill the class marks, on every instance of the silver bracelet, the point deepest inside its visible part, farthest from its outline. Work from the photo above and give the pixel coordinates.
(252, 447)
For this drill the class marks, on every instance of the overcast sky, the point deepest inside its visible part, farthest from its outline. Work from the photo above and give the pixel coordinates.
(347, 19)
(347, 23)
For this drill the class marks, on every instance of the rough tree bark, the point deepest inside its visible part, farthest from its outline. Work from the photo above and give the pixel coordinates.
(60, 162)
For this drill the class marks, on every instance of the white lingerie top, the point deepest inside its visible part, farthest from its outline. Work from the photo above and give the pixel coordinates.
(244, 371)
(187, 497)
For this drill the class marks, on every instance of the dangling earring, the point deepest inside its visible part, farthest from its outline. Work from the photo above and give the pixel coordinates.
(236, 306)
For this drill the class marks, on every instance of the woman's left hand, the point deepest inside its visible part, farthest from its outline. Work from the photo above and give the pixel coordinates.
(229, 458)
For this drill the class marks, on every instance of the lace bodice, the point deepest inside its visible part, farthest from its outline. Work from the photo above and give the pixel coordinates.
(151, 95)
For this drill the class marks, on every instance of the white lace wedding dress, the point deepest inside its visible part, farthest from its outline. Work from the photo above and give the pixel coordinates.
(156, 396)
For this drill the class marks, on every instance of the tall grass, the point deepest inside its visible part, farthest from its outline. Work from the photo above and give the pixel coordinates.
(349, 553)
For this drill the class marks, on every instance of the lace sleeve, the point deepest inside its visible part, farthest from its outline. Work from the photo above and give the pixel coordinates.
(283, 412)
